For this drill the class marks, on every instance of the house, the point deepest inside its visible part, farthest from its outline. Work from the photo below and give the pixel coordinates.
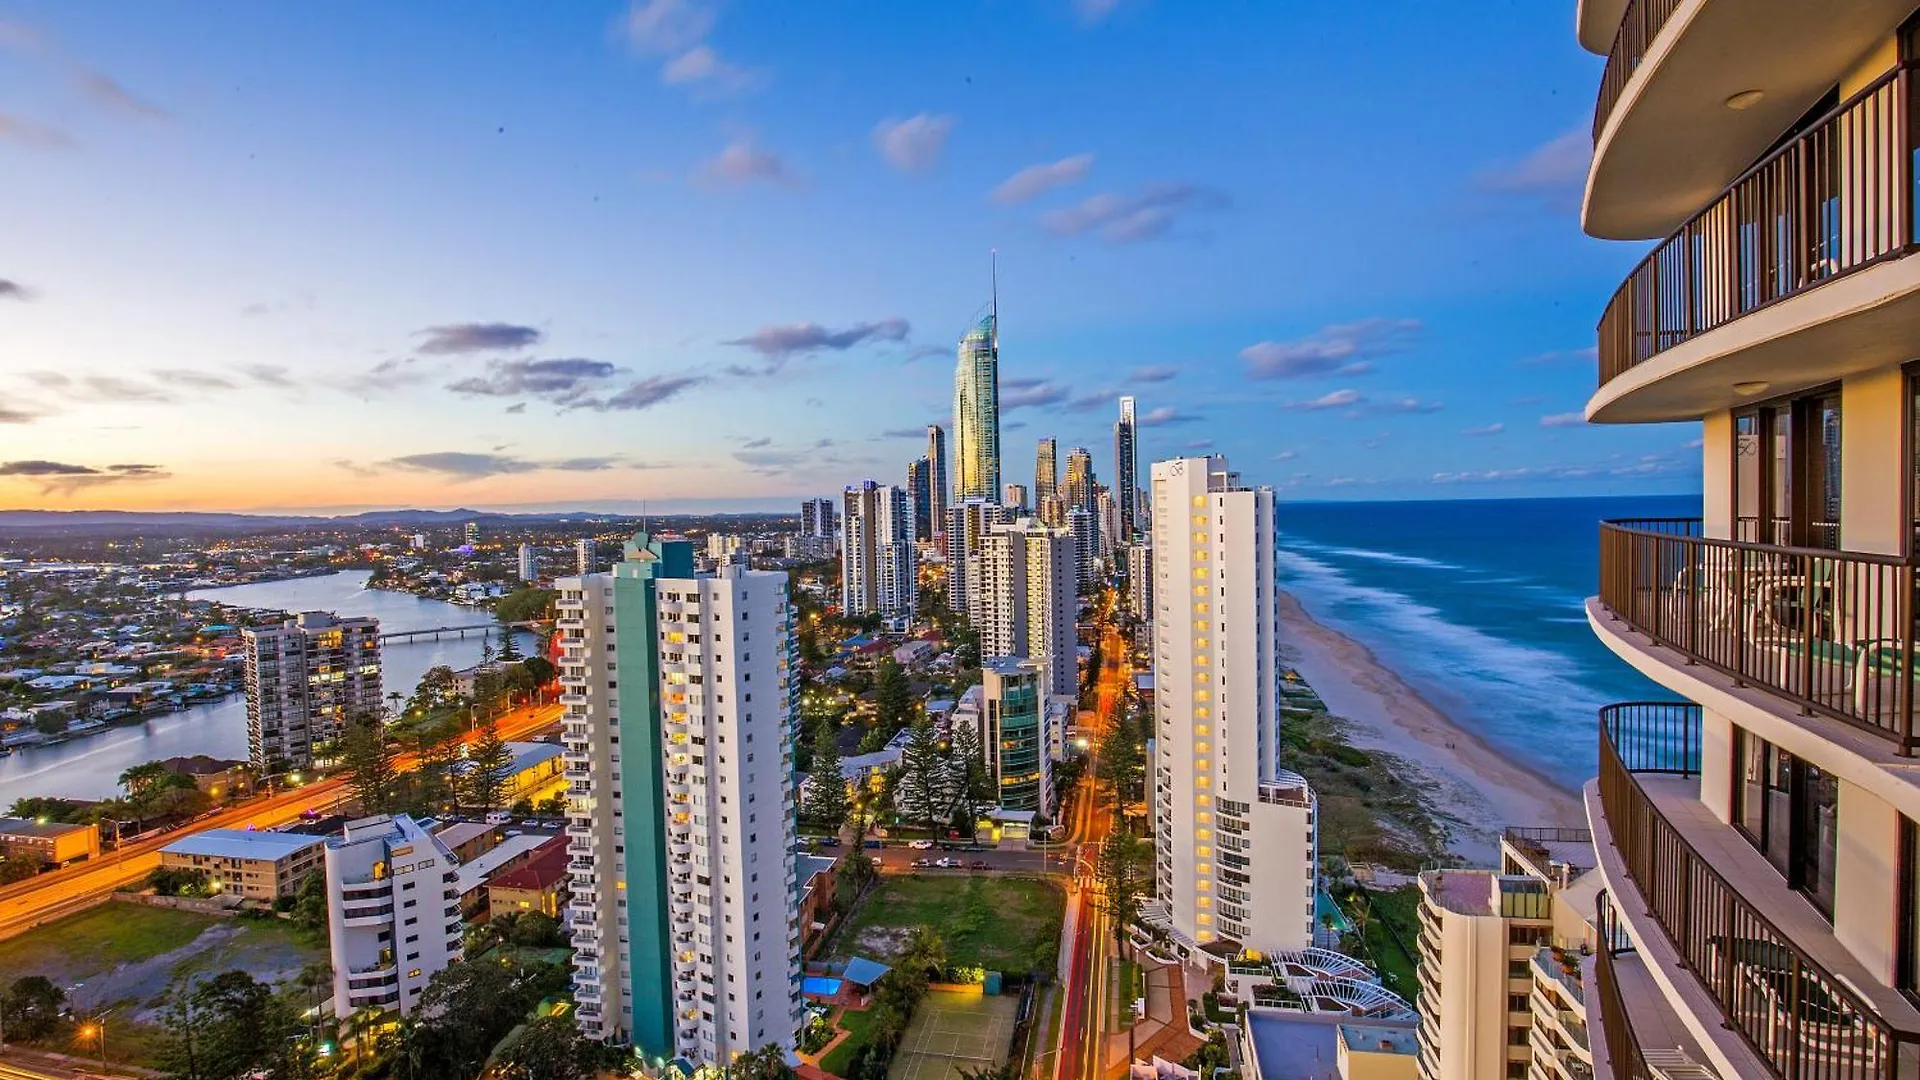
(48, 842)
(254, 864)
(815, 879)
(538, 884)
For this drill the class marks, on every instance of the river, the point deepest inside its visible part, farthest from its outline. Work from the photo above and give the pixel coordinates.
(89, 767)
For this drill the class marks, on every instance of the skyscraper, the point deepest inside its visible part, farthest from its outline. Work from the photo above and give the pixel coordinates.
(1079, 482)
(473, 532)
(685, 927)
(967, 523)
(583, 552)
(305, 679)
(529, 568)
(1126, 469)
(1026, 599)
(1236, 838)
(1085, 530)
(976, 412)
(1014, 739)
(1046, 477)
(1014, 497)
(816, 518)
(937, 476)
(878, 561)
(920, 498)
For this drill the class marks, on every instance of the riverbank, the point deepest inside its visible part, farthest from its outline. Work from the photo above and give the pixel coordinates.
(1470, 787)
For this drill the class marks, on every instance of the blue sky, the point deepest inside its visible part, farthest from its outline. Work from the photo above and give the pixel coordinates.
(513, 255)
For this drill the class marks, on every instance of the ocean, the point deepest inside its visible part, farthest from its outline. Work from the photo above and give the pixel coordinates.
(1478, 605)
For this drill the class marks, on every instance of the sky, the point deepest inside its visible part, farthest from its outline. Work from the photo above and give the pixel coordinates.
(334, 256)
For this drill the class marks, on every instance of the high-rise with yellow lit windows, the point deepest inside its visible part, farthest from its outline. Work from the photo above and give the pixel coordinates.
(1235, 840)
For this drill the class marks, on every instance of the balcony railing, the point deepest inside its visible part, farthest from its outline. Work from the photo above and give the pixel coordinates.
(1639, 25)
(1836, 199)
(1623, 1047)
(1796, 1015)
(1830, 631)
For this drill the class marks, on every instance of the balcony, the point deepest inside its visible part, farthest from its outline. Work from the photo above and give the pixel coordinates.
(1831, 632)
(1719, 302)
(1727, 936)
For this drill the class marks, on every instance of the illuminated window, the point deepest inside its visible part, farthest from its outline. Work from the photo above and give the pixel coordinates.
(1201, 500)
(1202, 834)
(1203, 851)
(1200, 748)
(1200, 609)
(1203, 919)
(1203, 817)
(1202, 782)
(1202, 695)
(1203, 868)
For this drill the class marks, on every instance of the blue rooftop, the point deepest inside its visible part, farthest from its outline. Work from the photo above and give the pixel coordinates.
(863, 971)
(242, 844)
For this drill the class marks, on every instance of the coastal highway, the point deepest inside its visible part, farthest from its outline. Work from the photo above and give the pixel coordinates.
(30, 903)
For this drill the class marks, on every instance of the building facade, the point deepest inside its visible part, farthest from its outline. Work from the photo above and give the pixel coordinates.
(878, 561)
(255, 864)
(937, 475)
(1236, 835)
(529, 566)
(1757, 831)
(393, 913)
(1140, 581)
(1085, 530)
(920, 498)
(686, 940)
(305, 679)
(1026, 600)
(1046, 480)
(967, 524)
(816, 518)
(1014, 497)
(976, 413)
(583, 555)
(1126, 470)
(1078, 486)
(1013, 733)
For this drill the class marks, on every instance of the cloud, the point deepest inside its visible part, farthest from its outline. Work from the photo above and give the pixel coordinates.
(1036, 180)
(1200, 444)
(17, 414)
(1563, 419)
(1030, 393)
(1339, 349)
(459, 465)
(13, 290)
(899, 433)
(1338, 399)
(1286, 455)
(1093, 11)
(64, 478)
(105, 91)
(32, 134)
(1551, 174)
(742, 163)
(476, 337)
(773, 461)
(755, 444)
(1121, 219)
(188, 379)
(1167, 414)
(1561, 356)
(1484, 430)
(702, 68)
(1153, 373)
(115, 389)
(665, 26)
(779, 344)
(913, 145)
(1410, 405)
(558, 381)
(642, 394)
(272, 375)
(516, 408)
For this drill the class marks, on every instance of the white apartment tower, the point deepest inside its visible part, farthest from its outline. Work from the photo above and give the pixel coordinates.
(1085, 530)
(529, 566)
(685, 910)
(305, 679)
(1026, 600)
(878, 561)
(583, 552)
(393, 913)
(967, 524)
(1236, 834)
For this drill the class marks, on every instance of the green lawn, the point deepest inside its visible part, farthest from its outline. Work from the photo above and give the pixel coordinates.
(99, 938)
(856, 1024)
(998, 923)
(1393, 932)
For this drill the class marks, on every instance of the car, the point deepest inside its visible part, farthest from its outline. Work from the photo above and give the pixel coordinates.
(920, 845)
(829, 841)
(531, 823)
(878, 861)
(921, 864)
(978, 864)
(872, 845)
(946, 864)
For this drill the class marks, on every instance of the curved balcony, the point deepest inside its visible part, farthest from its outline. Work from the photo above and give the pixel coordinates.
(1831, 632)
(1710, 926)
(1794, 276)
(1695, 90)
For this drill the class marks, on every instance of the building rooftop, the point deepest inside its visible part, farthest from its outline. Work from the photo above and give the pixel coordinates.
(459, 833)
(473, 873)
(1379, 1039)
(242, 844)
(546, 868)
(14, 826)
(1487, 893)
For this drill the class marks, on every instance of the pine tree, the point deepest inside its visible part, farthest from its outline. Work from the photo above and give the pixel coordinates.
(372, 774)
(971, 779)
(509, 649)
(488, 760)
(892, 696)
(923, 792)
(826, 802)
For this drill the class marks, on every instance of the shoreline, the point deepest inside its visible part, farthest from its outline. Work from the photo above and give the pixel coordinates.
(1476, 789)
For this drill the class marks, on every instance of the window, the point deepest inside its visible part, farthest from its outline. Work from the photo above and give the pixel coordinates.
(1786, 472)
(1789, 809)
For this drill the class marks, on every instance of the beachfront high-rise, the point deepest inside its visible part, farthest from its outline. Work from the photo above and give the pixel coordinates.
(937, 476)
(1236, 842)
(528, 566)
(684, 911)
(1046, 479)
(967, 523)
(878, 560)
(1025, 598)
(393, 913)
(976, 412)
(920, 498)
(1079, 484)
(1126, 470)
(305, 679)
(1760, 836)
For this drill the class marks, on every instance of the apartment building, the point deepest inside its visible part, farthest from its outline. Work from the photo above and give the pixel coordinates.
(1140, 580)
(683, 917)
(584, 551)
(1025, 598)
(305, 679)
(528, 564)
(878, 561)
(1126, 471)
(257, 864)
(1013, 733)
(1236, 835)
(1758, 834)
(968, 522)
(393, 913)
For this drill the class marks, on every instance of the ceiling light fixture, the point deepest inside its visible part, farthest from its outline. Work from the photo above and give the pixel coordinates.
(1744, 100)
(1748, 389)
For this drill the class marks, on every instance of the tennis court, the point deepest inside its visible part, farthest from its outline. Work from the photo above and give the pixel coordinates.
(954, 1030)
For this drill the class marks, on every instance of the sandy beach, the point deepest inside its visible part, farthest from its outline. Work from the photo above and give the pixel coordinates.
(1476, 788)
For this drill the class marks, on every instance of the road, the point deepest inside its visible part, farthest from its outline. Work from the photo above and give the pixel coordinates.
(1087, 1019)
(50, 896)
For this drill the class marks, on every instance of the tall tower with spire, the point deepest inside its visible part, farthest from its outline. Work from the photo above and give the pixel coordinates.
(976, 407)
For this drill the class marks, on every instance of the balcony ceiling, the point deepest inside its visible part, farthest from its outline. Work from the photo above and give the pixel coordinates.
(1598, 21)
(1856, 323)
(1671, 143)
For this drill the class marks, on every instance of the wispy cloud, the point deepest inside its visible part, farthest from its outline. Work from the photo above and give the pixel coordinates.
(1094, 11)
(1563, 419)
(15, 413)
(642, 394)
(459, 465)
(476, 337)
(32, 134)
(109, 93)
(1484, 430)
(779, 344)
(770, 460)
(1146, 214)
(1410, 405)
(13, 290)
(1561, 356)
(1337, 399)
(559, 381)
(1167, 414)
(702, 68)
(1154, 373)
(1340, 349)
(1551, 174)
(743, 162)
(675, 32)
(1026, 393)
(59, 477)
(1036, 180)
(913, 145)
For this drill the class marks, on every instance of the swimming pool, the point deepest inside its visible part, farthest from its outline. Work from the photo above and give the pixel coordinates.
(820, 986)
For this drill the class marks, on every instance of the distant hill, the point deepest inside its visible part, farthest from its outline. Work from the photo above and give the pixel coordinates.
(25, 523)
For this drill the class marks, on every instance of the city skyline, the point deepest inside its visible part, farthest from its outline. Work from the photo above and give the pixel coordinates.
(692, 286)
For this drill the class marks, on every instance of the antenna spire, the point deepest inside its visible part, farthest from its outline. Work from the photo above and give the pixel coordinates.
(993, 284)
